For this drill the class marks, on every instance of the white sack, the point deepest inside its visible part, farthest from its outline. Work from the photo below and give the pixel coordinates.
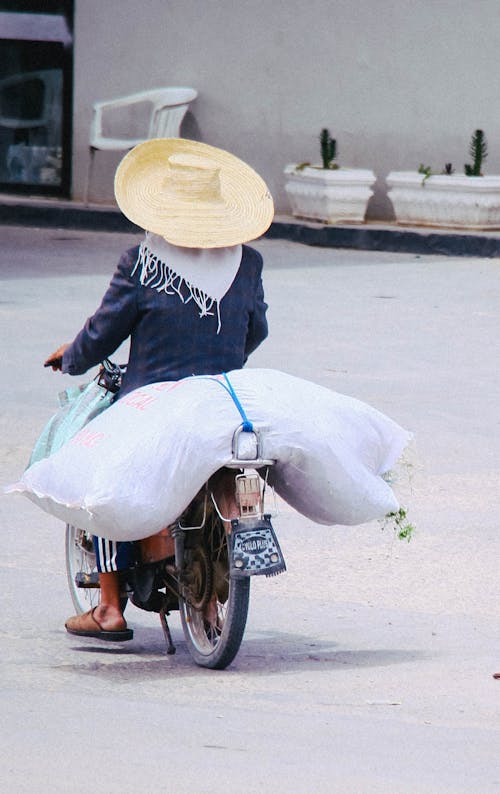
(135, 468)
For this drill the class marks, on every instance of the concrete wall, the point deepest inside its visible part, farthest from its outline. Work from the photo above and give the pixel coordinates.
(398, 82)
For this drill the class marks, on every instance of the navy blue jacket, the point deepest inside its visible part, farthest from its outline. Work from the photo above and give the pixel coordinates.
(168, 338)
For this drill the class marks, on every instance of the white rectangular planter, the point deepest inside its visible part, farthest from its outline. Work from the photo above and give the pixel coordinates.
(329, 195)
(453, 201)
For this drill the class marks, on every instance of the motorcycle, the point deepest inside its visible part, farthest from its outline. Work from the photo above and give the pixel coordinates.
(208, 580)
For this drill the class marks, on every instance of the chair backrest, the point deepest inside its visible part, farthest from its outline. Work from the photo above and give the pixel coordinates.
(169, 108)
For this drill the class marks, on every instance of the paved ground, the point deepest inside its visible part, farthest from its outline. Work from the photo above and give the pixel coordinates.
(368, 666)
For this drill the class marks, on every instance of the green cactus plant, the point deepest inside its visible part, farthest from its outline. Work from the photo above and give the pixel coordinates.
(478, 150)
(328, 149)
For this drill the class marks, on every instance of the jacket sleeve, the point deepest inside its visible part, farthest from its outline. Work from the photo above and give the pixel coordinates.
(111, 324)
(257, 326)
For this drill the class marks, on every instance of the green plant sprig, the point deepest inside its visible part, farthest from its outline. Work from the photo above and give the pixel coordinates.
(426, 170)
(402, 527)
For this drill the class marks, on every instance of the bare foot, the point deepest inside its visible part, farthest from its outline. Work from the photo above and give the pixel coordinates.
(110, 617)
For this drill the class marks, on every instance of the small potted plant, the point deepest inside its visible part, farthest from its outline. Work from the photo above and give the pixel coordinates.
(328, 192)
(465, 201)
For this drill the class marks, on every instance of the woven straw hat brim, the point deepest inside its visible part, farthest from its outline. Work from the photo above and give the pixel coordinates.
(244, 212)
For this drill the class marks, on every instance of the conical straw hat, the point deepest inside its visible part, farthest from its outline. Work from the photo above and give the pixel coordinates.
(193, 194)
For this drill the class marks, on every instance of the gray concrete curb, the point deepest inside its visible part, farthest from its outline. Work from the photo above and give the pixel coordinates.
(363, 237)
(63, 215)
(371, 237)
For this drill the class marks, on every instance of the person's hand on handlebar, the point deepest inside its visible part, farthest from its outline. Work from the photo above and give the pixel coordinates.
(55, 359)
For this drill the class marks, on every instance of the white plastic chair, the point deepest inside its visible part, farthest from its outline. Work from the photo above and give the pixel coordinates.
(167, 109)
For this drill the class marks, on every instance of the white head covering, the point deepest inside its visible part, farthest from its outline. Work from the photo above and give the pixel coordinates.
(205, 274)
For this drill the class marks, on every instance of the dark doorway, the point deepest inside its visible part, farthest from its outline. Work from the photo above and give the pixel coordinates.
(36, 86)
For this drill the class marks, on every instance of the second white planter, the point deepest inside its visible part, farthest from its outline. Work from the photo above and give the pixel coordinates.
(453, 201)
(329, 195)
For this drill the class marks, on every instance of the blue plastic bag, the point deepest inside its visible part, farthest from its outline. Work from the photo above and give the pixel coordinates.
(79, 405)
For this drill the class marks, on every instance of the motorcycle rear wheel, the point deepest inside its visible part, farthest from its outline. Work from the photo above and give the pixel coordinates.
(213, 605)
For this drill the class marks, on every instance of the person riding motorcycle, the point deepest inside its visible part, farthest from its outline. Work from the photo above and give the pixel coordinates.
(190, 297)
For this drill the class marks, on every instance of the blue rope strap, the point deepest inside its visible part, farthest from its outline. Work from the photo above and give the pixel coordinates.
(247, 424)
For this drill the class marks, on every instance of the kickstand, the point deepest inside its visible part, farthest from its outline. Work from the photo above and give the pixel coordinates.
(166, 632)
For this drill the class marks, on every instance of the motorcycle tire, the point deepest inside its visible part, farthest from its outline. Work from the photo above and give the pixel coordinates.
(213, 606)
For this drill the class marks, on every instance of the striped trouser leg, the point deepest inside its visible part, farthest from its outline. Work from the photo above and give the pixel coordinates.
(113, 555)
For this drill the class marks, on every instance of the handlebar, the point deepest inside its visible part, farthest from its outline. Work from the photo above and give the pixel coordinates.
(110, 376)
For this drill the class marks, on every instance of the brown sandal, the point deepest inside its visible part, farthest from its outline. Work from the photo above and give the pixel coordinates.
(87, 626)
